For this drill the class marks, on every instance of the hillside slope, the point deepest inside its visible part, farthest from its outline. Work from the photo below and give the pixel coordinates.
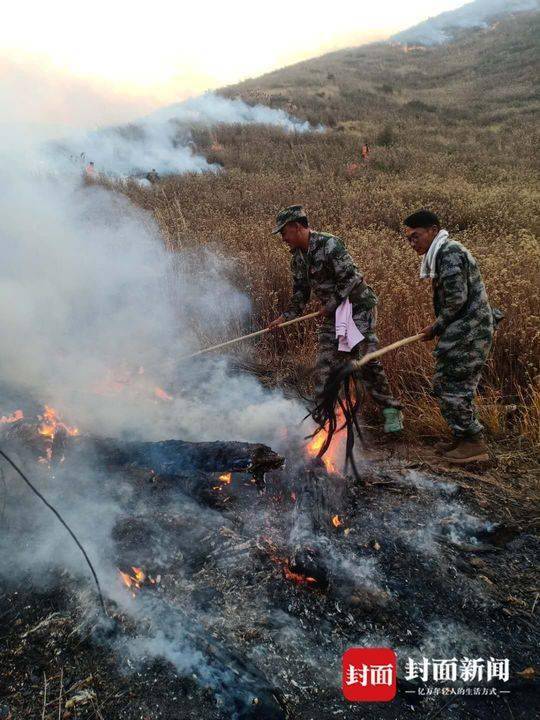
(451, 128)
(445, 26)
(487, 76)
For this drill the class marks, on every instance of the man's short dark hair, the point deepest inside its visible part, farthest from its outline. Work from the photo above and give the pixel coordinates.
(422, 219)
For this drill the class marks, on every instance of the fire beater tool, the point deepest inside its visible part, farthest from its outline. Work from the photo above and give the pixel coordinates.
(339, 395)
(357, 364)
(258, 333)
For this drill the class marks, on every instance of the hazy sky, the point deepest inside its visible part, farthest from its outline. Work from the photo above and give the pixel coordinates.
(136, 55)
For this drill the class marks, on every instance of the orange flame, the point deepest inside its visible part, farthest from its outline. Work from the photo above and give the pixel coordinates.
(331, 457)
(296, 577)
(125, 379)
(284, 565)
(51, 423)
(225, 478)
(17, 415)
(336, 521)
(135, 581)
(162, 395)
(139, 574)
(126, 579)
(316, 443)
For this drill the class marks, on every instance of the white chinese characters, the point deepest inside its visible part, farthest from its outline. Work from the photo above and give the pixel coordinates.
(452, 669)
(364, 675)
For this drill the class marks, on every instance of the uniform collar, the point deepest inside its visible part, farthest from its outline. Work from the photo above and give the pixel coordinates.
(311, 246)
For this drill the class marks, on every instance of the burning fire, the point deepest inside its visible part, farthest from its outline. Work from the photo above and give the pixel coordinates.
(134, 381)
(336, 521)
(17, 415)
(333, 456)
(296, 577)
(283, 563)
(225, 478)
(51, 423)
(136, 580)
(330, 457)
(162, 395)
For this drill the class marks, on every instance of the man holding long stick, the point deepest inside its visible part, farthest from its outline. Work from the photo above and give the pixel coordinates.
(464, 327)
(321, 264)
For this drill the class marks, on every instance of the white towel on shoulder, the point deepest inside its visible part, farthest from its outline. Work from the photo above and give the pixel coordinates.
(427, 268)
(346, 331)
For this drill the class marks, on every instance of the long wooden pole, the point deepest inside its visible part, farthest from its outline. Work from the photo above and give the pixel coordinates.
(251, 335)
(357, 364)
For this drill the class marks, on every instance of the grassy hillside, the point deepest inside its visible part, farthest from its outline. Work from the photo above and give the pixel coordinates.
(487, 77)
(451, 128)
(473, 14)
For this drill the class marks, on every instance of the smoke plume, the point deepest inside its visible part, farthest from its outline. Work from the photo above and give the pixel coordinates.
(89, 323)
(478, 14)
(162, 140)
(96, 318)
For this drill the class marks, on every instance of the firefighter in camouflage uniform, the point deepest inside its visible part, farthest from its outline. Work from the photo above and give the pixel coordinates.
(321, 266)
(464, 327)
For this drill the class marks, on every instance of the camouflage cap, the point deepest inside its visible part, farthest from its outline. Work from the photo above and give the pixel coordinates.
(288, 214)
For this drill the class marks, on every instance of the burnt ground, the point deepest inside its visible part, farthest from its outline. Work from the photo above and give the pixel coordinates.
(427, 561)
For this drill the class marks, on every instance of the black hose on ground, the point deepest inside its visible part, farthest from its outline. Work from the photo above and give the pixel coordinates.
(64, 523)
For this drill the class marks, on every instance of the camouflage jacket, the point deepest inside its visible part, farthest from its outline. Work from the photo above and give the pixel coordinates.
(460, 300)
(327, 270)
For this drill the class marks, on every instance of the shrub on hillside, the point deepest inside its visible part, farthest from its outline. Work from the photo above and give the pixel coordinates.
(386, 137)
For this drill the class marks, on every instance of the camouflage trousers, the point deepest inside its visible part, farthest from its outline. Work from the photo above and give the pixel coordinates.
(331, 361)
(457, 374)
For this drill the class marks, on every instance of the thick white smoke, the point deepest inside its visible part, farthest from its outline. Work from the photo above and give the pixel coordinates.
(95, 317)
(210, 109)
(477, 14)
(161, 141)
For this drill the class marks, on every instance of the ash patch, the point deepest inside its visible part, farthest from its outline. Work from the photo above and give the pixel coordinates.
(222, 610)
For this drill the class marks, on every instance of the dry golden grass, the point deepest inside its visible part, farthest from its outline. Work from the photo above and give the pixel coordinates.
(478, 175)
(233, 213)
